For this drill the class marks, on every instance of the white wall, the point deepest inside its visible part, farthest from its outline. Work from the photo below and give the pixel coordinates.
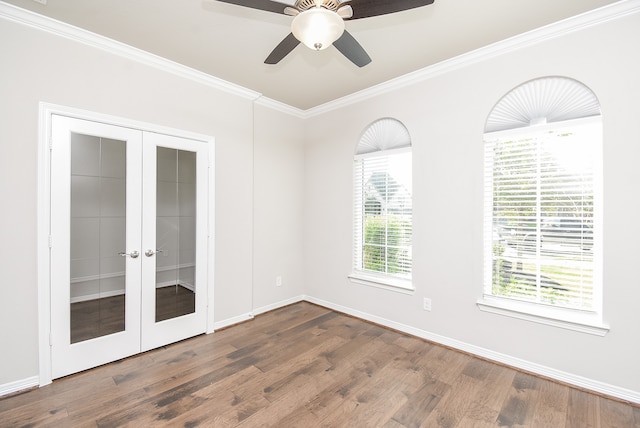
(278, 209)
(445, 116)
(38, 66)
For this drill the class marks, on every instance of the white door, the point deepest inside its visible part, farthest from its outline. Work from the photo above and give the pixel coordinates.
(128, 242)
(174, 236)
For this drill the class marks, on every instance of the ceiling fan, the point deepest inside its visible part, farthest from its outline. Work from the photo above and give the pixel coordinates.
(320, 23)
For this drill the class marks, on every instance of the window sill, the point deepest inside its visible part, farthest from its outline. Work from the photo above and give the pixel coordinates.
(584, 322)
(398, 285)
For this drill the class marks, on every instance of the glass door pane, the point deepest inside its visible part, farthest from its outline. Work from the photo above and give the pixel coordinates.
(175, 233)
(95, 243)
(174, 238)
(98, 235)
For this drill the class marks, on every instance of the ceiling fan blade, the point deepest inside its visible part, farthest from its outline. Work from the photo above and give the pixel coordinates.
(352, 49)
(369, 8)
(284, 47)
(268, 5)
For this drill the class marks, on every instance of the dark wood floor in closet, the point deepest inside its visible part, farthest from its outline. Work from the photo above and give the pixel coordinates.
(99, 317)
(307, 366)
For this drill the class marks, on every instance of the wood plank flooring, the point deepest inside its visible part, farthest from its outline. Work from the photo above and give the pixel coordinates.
(100, 317)
(307, 366)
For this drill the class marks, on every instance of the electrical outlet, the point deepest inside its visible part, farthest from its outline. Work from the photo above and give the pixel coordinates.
(278, 281)
(426, 304)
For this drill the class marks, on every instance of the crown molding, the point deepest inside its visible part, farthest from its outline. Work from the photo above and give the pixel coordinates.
(588, 19)
(549, 32)
(70, 32)
(281, 107)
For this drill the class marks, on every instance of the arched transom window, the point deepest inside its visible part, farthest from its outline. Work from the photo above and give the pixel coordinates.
(542, 189)
(383, 205)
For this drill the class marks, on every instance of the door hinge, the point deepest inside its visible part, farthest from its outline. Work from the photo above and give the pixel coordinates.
(50, 241)
(50, 339)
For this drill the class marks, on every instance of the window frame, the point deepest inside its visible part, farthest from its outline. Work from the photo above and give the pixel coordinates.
(586, 321)
(392, 282)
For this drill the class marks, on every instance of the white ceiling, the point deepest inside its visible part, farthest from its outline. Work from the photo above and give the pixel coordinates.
(231, 42)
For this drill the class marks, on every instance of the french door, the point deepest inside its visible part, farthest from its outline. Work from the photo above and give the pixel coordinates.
(128, 242)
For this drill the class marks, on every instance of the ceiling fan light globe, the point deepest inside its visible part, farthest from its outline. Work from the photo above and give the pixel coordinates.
(317, 28)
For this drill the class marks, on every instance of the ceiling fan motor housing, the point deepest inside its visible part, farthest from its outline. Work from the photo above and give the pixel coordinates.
(303, 5)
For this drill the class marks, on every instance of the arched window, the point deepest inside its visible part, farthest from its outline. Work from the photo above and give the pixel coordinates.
(382, 205)
(542, 189)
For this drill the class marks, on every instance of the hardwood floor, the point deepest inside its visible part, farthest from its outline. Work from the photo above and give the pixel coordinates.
(173, 302)
(99, 317)
(307, 366)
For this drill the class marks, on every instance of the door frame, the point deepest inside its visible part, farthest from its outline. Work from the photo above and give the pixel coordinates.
(46, 111)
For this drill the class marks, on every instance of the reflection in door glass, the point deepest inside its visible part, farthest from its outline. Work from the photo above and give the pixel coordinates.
(175, 233)
(98, 206)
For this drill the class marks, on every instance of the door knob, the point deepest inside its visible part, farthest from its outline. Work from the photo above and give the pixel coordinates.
(133, 254)
(150, 253)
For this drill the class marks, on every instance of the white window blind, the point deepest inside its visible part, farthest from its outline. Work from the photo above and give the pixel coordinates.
(383, 213)
(382, 232)
(543, 193)
(541, 217)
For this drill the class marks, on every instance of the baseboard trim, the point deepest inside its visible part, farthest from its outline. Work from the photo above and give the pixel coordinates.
(231, 321)
(19, 385)
(517, 363)
(112, 293)
(182, 284)
(96, 296)
(279, 304)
